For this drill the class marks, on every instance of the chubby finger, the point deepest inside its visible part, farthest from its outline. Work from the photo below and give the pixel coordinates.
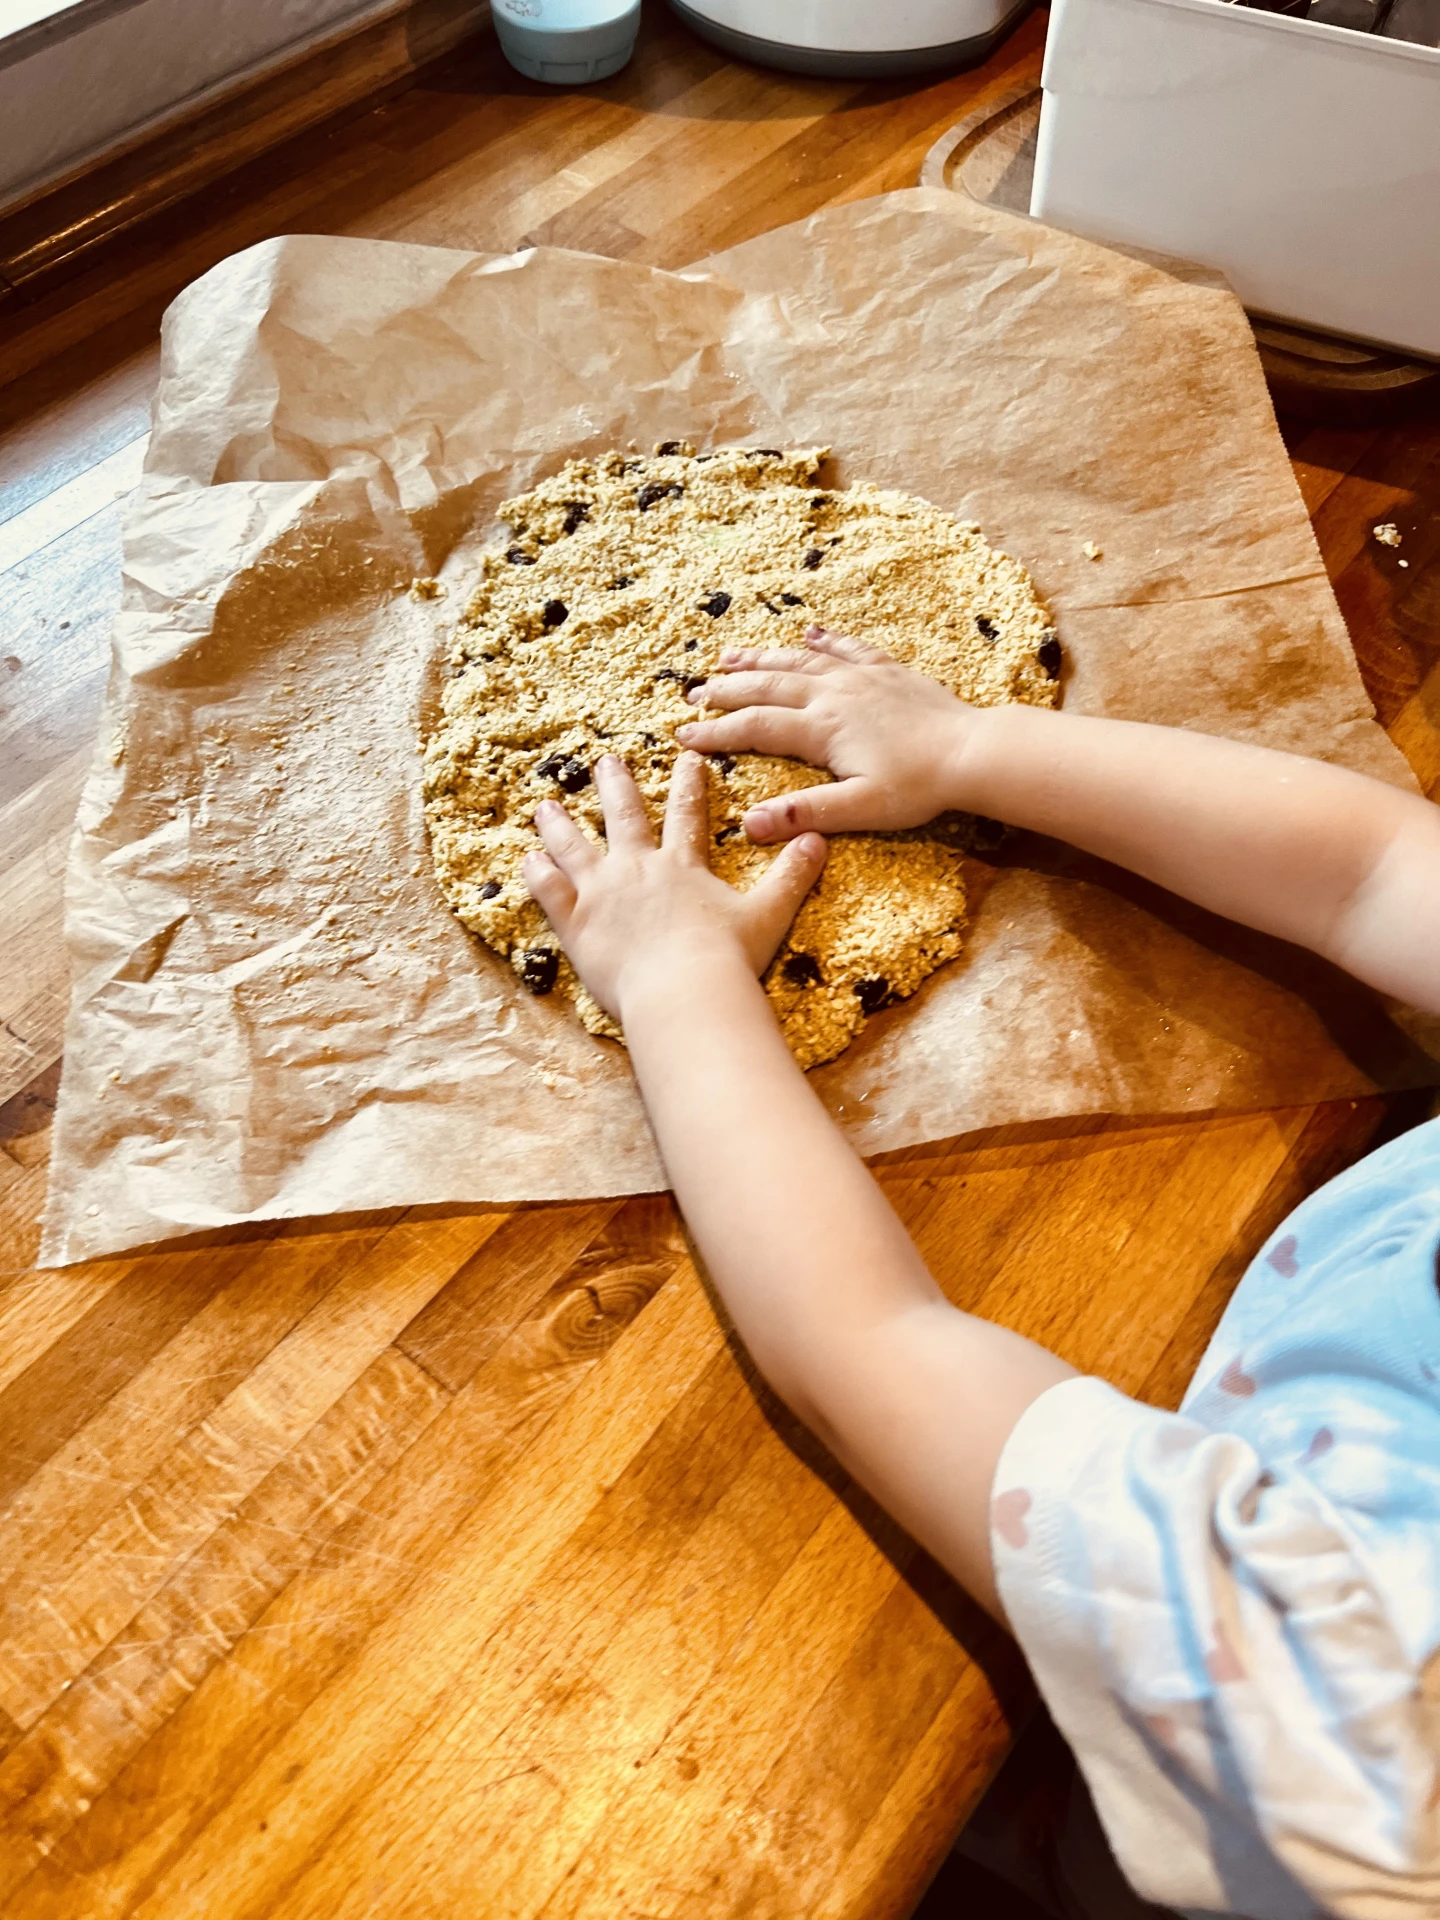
(848, 806)
(839, 646)
(567, 847)
(550, 888)
(773, 902)
(770, 660)
(627, 825)
(792, 732)
(731, 690)
(687, 810)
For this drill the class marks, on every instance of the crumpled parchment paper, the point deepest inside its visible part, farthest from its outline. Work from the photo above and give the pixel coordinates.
(275, 1014)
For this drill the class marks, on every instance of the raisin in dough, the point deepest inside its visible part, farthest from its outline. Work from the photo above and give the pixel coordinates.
(623, 579)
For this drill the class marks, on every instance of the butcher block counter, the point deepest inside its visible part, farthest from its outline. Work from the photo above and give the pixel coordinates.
(455, 1561)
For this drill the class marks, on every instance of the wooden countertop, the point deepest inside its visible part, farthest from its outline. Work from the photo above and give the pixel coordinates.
(454, 1561)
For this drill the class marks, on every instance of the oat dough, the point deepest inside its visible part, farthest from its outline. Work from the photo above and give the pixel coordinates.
(624, 578)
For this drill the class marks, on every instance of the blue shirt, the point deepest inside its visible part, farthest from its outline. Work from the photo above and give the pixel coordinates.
(1234, 1611)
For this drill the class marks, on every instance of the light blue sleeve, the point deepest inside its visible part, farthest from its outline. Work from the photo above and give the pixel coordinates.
(1234, 1612)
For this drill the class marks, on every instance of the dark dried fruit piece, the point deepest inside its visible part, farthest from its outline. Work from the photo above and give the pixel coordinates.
(556, 613)
(715, 604)
(812, 558)
(539, 968)
(725, 762)
(769, 607)
(654, 490)
(873, 994)
(691, 646)
(621, 580)
(575, 512)
(802, 970)
(818, 501)
(567, 770)
(791, 599)
(490, 889)
(518, 557)
(987, 627)
(722, 834)
(670, 446)
(1049, 655)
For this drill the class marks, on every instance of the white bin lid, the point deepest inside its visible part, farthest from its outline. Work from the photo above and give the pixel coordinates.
(563, 16)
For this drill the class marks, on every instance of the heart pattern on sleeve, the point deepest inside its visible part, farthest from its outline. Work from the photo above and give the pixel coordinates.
(1282, 1257)
(1007, 1516)
(1235, 1380)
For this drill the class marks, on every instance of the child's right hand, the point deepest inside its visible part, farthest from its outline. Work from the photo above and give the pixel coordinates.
(892, 738)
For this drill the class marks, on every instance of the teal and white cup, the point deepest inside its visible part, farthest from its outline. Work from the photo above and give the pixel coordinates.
(567, 42)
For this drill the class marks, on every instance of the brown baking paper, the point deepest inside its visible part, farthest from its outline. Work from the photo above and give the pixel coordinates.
(274, 1012)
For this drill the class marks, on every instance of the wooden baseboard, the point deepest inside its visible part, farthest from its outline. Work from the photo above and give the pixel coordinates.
(57, 233)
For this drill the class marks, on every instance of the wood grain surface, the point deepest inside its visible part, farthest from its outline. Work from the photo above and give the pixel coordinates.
(51, 235)
(454, 1562)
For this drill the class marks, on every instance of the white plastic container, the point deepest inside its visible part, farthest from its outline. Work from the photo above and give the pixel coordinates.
(1301, 160)
(855, 37)
(567, 42)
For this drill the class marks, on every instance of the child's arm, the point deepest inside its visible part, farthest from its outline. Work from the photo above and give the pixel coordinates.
(1336, 862)
(822, 1281)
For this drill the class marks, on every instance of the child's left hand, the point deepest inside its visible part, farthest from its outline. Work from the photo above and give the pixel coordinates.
(894, 740)
(633, 913)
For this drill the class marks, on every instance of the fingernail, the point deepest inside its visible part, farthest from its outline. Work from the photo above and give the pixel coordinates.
(757, 824)
(696, 695)
(684, 732)
(609, 760)
(728, 655)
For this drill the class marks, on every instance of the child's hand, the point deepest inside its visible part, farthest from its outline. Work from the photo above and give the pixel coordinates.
(891, 737)
(626, 910)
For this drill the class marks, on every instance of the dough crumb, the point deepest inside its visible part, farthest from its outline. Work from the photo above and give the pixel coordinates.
(1092, 552)
(1387, 533)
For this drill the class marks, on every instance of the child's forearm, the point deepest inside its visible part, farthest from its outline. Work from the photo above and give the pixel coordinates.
(1340, 863)
(769, 1188)
(1336, 862)
(823, 1283)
